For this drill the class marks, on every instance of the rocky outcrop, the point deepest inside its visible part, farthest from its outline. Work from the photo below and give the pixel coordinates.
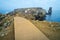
(37, 13)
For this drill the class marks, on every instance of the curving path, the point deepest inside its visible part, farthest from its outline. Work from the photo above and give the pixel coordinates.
(25, 30)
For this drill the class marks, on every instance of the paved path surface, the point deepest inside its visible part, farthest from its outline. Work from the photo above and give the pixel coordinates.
(25, 30)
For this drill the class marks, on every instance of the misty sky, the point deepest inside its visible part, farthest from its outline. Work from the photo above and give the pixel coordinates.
(8, 5)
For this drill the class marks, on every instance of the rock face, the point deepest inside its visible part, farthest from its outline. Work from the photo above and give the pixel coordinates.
(50, 11)
(37, 13)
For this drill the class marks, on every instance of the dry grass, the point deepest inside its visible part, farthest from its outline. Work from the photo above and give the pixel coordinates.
(10, 35)
(10, 30)
(41, 25)
(48, 31)
(44, 26)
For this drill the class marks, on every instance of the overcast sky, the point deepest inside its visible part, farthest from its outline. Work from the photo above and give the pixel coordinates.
(8, 5)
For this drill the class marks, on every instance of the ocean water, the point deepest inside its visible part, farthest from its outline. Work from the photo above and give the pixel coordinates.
(55, 17)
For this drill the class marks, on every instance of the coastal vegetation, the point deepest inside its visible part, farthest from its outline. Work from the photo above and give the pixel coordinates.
(35, 15)
(6, 27)
(50, 29)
